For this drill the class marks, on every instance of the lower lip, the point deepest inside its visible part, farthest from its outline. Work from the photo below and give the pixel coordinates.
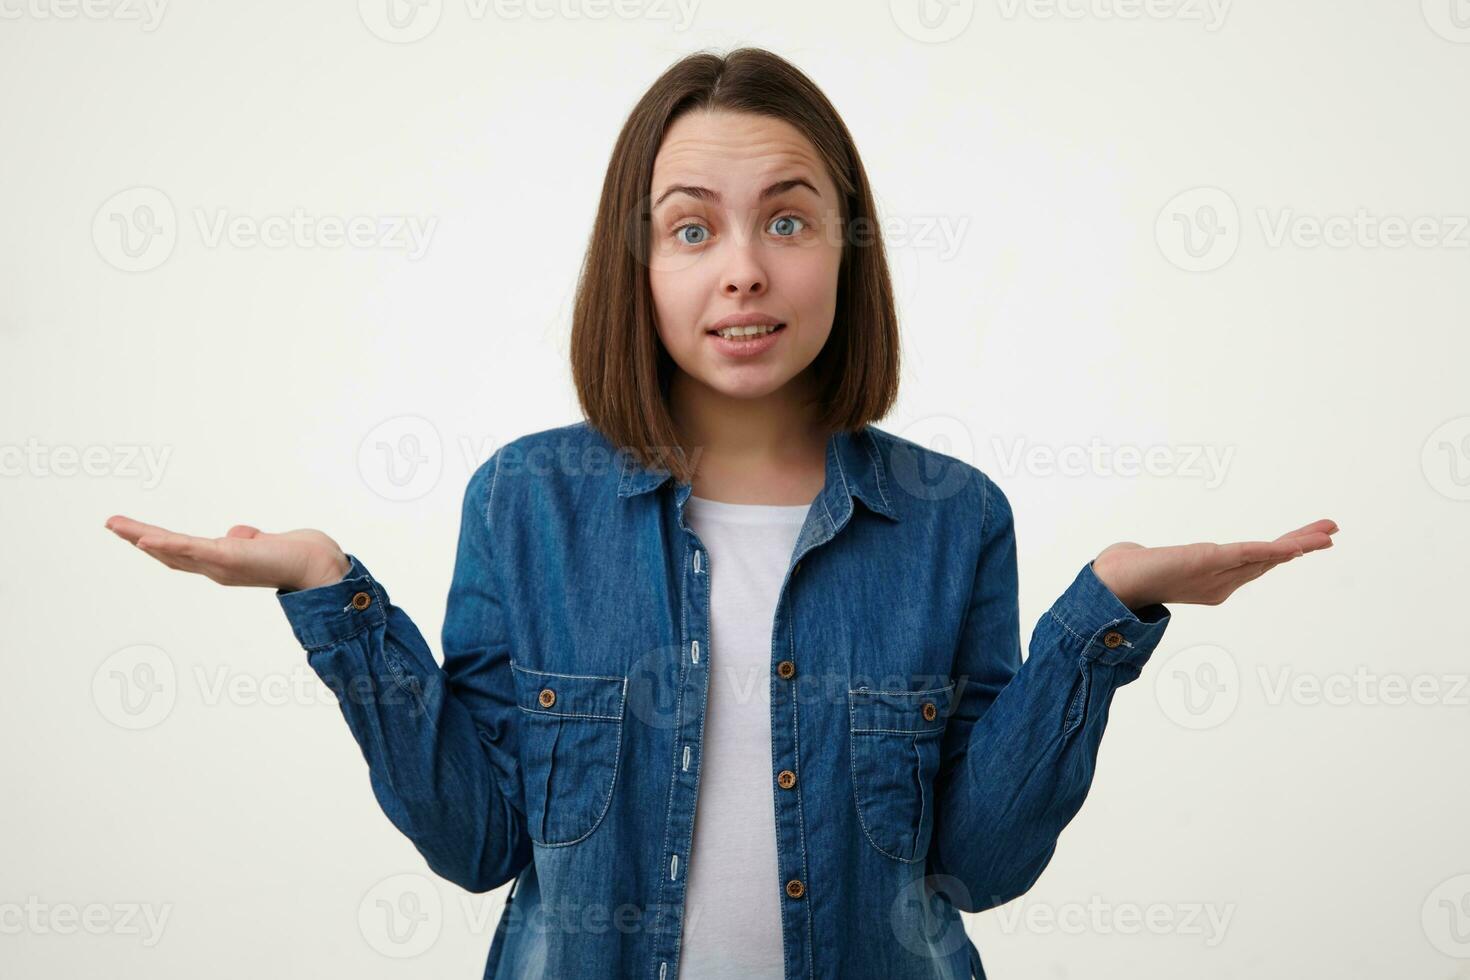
(747, 348)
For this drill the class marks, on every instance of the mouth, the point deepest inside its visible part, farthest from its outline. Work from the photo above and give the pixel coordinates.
(747, 334)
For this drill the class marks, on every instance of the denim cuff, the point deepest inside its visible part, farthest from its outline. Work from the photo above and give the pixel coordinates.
(1109, 632)
(328, 614)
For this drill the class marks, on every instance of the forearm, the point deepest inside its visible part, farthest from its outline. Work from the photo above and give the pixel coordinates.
(1029, 759)
(434, 777)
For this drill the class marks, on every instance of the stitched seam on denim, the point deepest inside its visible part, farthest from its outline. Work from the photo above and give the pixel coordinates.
(674, 749)
(490, 499)
(567, 714)
(397, 671)
(1078, 703)
(856, 797)
(783, 872)
(1063, 624)
(316, 645)
(872, 441)
(872, 690)
(699, 765)
(699, 770)
(612, 784)
(806, 907)
(842, 475)
(552, 673)
(919, 777)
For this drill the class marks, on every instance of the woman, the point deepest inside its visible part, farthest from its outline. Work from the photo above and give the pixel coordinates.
(729, 690)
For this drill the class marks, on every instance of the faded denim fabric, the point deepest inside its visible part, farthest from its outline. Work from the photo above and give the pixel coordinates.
(559, 745)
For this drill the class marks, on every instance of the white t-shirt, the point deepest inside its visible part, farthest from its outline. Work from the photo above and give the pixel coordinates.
(732, 915)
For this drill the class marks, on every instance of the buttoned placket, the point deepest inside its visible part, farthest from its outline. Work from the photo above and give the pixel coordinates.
(791, 856)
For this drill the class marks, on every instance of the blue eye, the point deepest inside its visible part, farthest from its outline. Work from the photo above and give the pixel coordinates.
(789, 218)
(679, 233)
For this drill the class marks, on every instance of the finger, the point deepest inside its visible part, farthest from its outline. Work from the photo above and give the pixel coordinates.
(1240, 553)
(162, 557)
(1315, 541)
(192, 553)
(1324, 525)
(130, 530)
(242, 531)
(1234, 578)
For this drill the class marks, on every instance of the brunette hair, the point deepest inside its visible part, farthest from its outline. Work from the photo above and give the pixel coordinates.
(619, 366)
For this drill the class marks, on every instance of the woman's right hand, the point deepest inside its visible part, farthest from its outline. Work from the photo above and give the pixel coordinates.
(291, 560)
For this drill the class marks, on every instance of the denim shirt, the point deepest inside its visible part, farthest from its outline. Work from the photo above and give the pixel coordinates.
(920, 767)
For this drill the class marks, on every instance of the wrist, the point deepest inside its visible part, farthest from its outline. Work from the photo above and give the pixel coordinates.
(1107, 575)
(332, 573)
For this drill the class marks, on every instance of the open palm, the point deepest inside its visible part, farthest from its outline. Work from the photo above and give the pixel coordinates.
(1204, 572)
(246, 555)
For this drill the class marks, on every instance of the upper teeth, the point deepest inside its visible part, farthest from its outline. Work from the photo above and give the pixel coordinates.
(747, 331)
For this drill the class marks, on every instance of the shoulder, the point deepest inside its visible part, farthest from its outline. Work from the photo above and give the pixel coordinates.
(921, 478)
(545, 458)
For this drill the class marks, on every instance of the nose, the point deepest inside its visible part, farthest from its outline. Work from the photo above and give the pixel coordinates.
(745, 272)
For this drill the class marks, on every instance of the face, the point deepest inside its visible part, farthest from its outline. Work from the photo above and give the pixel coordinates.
(745, 220)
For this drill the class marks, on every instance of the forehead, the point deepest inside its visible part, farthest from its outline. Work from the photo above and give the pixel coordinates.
(733, 151)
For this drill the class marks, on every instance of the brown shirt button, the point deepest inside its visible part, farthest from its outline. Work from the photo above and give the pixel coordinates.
(547, 697)
(786, 669)
(795, 888)
(929, 710)
(361, 600)
(786, 779)
(1112, 638)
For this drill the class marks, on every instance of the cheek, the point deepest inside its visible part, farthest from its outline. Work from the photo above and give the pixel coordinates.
(810, 279)
(674, 303)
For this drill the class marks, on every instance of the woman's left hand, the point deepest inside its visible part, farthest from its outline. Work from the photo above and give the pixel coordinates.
(1204, 573)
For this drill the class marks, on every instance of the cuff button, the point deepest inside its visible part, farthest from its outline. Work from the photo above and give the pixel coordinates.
(929, 711)
(547, 697)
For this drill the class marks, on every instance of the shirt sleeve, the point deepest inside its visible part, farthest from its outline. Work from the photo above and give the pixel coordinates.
(1021, 744)
(440, 744)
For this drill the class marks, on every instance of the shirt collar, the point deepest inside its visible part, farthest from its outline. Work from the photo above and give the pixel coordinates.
(854, 469)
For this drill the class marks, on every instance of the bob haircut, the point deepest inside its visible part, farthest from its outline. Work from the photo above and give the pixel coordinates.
(620, 367)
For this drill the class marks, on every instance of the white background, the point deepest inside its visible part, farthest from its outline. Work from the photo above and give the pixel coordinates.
(1062, 309)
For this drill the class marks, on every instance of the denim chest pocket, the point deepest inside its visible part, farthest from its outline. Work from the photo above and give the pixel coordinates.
(894, 747)
(570, 741)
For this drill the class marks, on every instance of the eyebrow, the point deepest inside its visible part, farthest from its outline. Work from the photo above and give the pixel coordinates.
(705, 194)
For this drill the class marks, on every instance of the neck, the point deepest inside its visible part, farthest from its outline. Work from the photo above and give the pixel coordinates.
(769, 446)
